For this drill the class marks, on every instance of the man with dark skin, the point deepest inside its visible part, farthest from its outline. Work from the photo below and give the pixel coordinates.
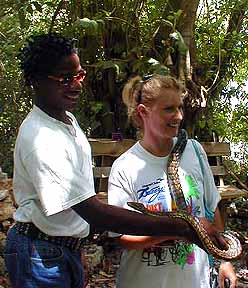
(53, 179)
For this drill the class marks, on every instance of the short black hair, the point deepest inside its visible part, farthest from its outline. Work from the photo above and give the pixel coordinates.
(42, 53)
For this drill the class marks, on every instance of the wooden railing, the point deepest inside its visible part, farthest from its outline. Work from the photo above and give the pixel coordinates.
(105, 151)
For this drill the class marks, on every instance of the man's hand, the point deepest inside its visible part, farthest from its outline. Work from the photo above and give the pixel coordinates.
(214, 234)
(226, 271)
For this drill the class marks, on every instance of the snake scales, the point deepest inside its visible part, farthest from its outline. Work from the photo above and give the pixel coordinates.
(234, 246)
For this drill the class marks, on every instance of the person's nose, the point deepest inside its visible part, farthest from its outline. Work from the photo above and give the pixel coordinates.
(179, 113)
(76, 84)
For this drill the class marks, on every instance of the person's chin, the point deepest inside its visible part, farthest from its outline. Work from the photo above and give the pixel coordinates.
(71, 108)
(71, 105)
(174, 131)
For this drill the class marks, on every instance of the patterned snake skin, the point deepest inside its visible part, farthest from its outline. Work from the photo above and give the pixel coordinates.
(234, 246)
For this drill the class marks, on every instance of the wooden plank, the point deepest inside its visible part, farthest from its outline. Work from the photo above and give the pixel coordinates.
(231, 192)
(114, 148)
(101, 172)
(103, 196)
(106, 161)
(216, 149)
(219, 170)
(110, 147)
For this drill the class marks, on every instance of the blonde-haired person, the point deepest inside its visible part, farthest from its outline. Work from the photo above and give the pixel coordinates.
(155, 106)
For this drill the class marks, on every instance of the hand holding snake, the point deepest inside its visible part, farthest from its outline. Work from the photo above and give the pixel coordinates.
(214, 234)
(224, 246)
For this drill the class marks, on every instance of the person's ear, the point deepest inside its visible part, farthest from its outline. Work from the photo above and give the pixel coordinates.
(143, 110)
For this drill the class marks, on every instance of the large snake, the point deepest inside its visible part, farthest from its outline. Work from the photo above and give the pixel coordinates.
(234, 246)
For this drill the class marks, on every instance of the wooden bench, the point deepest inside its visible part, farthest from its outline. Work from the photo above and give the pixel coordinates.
(105, 151)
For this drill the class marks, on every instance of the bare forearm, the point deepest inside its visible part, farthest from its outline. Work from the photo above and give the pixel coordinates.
(141, 242)
(218, 222)
(119, 220)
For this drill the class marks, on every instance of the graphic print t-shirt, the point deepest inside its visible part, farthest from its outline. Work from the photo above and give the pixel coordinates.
(140, 176)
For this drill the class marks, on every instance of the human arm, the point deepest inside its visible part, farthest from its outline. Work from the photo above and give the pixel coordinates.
(226, 271)
(227, 276)
(120, 220)
(141, 242)
(123, 221)
(218, 221)
(211, 196)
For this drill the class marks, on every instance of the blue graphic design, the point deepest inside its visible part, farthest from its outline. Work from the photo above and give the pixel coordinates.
(153, 195)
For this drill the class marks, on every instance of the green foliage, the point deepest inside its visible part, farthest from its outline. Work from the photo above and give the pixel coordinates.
(230, 122)
(116, 41)
(222, 56)
(239, 123)
(179, 42)
(220, 41)
(89, 27)
(229, 115)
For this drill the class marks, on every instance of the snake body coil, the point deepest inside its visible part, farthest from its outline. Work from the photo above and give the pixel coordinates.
(234, 246)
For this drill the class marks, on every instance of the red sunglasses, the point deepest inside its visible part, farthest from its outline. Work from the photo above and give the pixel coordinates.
(69, 79)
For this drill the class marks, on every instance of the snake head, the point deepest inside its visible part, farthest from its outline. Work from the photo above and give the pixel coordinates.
(137, 206)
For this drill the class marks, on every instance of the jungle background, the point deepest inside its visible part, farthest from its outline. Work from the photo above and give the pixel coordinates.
(202, 43)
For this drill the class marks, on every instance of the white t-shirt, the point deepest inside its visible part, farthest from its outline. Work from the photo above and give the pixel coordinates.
(140, 176)
(52, 172)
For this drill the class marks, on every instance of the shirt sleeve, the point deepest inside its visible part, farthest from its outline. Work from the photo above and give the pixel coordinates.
(58, 183)
(211, 194)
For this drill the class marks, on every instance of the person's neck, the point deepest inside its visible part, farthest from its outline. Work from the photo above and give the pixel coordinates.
(158, 148)
(58, 115)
